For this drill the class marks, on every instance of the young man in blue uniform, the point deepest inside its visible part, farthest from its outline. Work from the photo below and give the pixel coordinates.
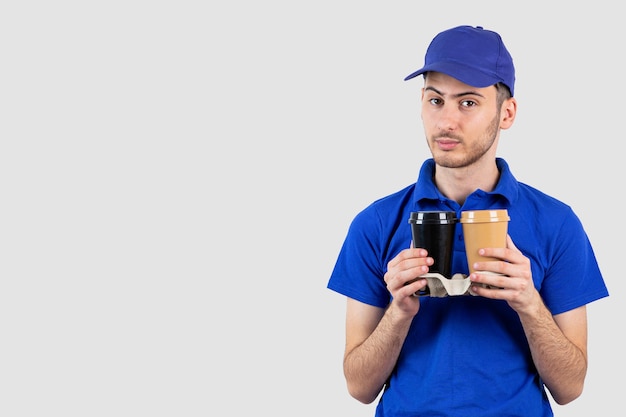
(498, 349)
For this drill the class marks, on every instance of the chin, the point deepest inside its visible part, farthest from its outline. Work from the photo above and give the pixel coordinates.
(444, 160)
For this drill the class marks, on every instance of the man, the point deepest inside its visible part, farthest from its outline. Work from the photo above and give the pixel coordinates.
(499, 349)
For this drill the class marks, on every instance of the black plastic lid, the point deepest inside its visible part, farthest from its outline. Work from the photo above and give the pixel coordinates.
(433, 217)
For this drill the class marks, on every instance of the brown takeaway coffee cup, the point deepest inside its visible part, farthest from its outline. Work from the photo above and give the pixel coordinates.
(483, 229)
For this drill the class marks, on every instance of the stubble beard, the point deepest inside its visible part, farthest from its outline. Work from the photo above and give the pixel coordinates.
(477, 151)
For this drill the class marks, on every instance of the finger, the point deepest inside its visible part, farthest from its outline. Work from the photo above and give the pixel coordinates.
(493, 278)
(416, 286)
(489, 292)
(404, 254)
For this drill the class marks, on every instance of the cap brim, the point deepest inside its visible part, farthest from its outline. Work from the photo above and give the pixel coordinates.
(462, 72)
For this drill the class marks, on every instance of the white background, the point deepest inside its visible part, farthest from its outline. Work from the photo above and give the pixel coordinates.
(176, 180)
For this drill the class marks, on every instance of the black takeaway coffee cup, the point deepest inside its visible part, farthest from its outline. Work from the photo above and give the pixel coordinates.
(434, 231)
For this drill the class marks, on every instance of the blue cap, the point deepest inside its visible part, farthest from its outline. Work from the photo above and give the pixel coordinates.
(472, 55)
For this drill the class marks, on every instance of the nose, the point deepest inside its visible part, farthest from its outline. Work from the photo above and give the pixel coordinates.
(447, 118)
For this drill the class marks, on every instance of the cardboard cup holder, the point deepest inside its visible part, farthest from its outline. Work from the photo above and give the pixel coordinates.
(440, 286)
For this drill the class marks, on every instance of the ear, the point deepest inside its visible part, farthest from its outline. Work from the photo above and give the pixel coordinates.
(509, 110)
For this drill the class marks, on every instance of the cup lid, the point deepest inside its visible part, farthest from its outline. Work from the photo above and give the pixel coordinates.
(439, 217)
(484, 216)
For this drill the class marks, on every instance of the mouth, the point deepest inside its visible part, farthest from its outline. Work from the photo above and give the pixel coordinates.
(446, 144)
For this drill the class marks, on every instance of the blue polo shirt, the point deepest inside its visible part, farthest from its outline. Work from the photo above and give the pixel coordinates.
(468, 355)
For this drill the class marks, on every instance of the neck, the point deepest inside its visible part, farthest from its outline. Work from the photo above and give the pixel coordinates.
(457, 183)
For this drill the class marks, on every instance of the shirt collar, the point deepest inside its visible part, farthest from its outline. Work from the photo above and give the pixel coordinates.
(507, 186)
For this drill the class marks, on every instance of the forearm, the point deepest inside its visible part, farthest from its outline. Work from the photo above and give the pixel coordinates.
(367, 366)
(561, 364)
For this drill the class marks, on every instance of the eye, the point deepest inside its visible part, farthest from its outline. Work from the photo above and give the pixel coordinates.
(434, 101)
(468, 103)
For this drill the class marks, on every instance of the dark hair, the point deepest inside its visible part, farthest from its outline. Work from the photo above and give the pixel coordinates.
(503, 93)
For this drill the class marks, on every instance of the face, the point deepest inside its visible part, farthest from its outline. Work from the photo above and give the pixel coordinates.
(461, 122)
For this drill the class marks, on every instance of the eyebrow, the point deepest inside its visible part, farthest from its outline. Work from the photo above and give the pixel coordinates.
(465, 93)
